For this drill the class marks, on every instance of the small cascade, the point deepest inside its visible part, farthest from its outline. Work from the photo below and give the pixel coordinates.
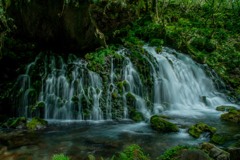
(180, 84)
(110, 91)
(134, 87)
(60, 88)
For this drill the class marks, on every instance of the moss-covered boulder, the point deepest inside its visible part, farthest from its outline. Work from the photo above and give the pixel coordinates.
(36, 124)
(215, 152)
(161, 125)
(136, 116)
(19, 123)
(133, 152)
(231, 116)
(219, 138)
(225, 108)
(199, 128)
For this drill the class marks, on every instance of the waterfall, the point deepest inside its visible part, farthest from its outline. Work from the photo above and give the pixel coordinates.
(180, 84)
(54, 87)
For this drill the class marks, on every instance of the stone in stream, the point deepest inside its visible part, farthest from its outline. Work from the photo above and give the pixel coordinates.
(199, 128)
(161, 125)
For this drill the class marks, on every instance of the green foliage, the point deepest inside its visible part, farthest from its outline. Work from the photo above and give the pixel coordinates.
(60, 157)
(132, 152)
(171, 153)
(97, 60)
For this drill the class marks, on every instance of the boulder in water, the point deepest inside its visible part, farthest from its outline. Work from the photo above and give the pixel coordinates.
(199, 128)
(225, 108)
(232, 116)
(194, 154)
(219, 138)
(161, 125)
(36, 124)
(215, 152)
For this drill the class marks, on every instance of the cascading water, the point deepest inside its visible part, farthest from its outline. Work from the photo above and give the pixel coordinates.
(181, 85)
(70, 90)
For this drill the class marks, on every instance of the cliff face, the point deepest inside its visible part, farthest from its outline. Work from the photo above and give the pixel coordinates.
(69, 26)
(54, 24)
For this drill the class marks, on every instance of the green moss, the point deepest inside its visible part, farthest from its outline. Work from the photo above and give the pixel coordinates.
(132, 152)
(37, 106)
(219, 138)
(60, 157)
(231, 116)
(15, 122)
(75, 99)
(225, 108)
(115, 94)
(156, 42)
(172, 152)
(36, 123)
(136, 116)
(161, 125)
(199, 128)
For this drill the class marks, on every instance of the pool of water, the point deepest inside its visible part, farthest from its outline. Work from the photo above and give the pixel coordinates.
(78, 139)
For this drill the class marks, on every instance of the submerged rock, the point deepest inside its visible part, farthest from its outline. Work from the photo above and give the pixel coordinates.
(36, 124)
(225, 108)
(215, 152)
(219, 138)
(199, 128)
(161, 125)
(232, 116)
(194, 154)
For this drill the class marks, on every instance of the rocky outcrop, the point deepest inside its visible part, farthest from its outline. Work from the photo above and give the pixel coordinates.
(54, 24)
(68, 25)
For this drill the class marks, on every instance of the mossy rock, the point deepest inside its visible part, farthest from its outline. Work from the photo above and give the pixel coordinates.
(199, 128)
(19, 122)
(137, 116)
(133, 152)
(36, 124)
(225, 108)
(231, 116)
(215, 152)
(219, 138)
(161, 125)
(193, 154)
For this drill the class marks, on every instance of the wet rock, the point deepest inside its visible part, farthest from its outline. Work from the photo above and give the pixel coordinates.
(54, 24)
(219, 138)
(215, 152)
(195, 154)
(199, 128)
(16, 139)
(231, 116)
(19, 123)
(225, 108)
(234, 153)
(36, 124)
(161, 125)
(3, 149)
